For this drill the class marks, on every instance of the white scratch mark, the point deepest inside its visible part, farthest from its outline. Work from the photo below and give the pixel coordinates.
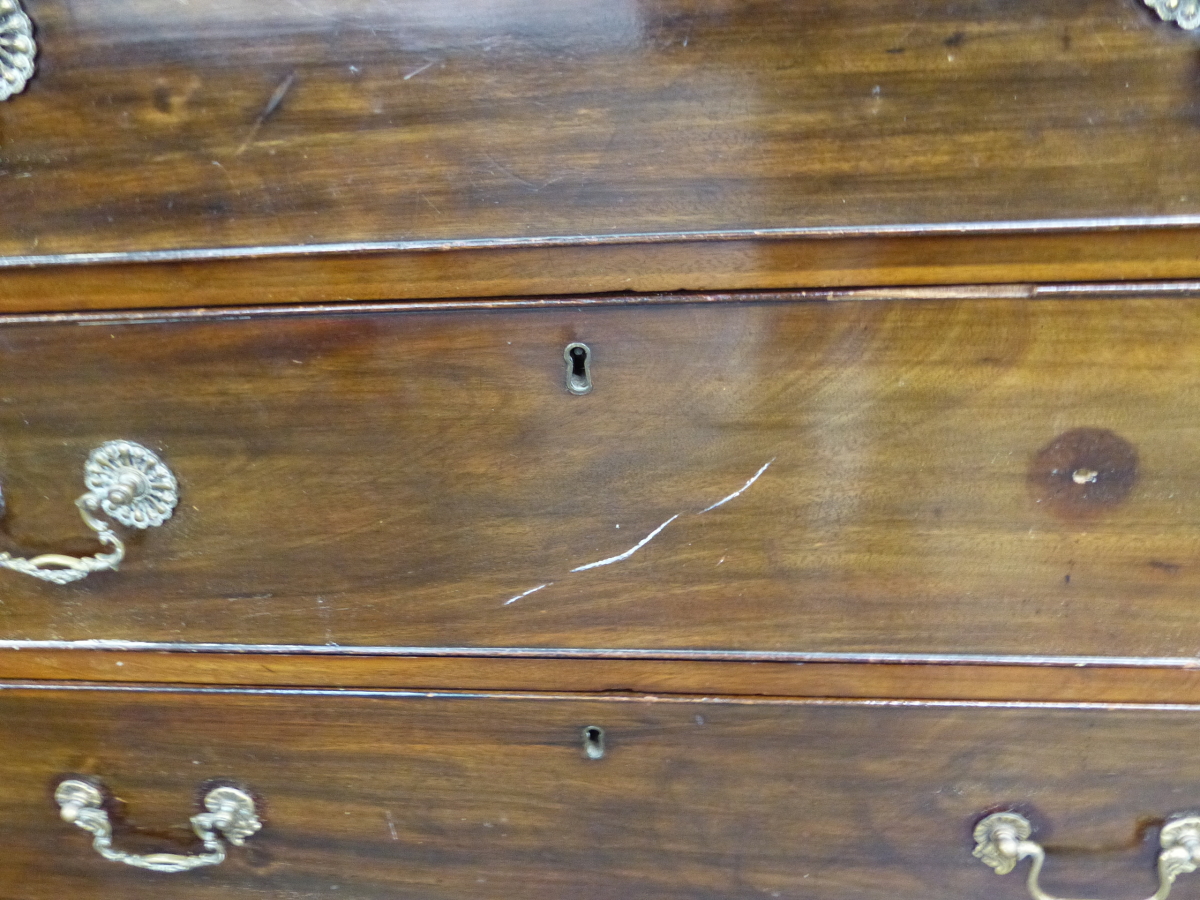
(632, 550)
(743, 489)
(391, 825)
(415, 72)
(528, 592)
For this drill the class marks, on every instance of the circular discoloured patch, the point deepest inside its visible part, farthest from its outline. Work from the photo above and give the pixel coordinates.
(1083, 472)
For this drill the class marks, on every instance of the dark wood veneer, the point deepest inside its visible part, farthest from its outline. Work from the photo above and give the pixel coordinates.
(396, 479)
(493, 796)
(146, 127)
(585, 148)
(969, 502)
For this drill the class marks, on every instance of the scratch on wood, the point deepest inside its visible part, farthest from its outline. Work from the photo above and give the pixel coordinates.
(268, 110)
(415, 72)
(391, 825)
(742, 490)
(632, 550)
(513, 175)
(528, 592)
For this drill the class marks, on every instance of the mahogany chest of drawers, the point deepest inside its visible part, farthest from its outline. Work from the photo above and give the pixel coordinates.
(636, 449)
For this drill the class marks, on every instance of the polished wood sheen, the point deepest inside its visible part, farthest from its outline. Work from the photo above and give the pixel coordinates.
(551, 146)
(162, 125)
(367, 797)
(424, 480)
(882, 515)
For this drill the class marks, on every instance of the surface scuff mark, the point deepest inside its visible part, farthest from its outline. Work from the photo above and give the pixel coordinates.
(268, 110)
(632, 550)
(415, 72)
(745, 487)
(621, 557)
(528, 592)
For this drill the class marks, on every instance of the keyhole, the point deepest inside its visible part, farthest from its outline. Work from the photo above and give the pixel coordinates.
(579, 368)
(593, 742)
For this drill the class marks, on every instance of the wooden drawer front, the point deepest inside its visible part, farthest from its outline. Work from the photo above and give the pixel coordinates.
(823, 477)
(475, 797)
(262, 122)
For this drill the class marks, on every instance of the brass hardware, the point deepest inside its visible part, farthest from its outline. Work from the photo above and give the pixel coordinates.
(579, 368)
(126, 482)
(1001, 841)
(1185, 13)
(230, 813)
(17, 48)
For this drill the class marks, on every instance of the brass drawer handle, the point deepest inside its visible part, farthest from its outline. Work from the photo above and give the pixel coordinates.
(1185, 13)
(1001, 841)
(230, 812)
(17, 48)
(125, 482)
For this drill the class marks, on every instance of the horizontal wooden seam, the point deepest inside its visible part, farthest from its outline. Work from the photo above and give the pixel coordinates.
(204, 254)
(707, 699)
(799, 657)
(1020, 291)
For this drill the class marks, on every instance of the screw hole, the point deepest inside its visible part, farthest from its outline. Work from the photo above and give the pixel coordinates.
(593, 742)
(579, 368)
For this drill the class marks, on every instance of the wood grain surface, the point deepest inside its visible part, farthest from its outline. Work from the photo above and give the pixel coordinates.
(160, 126)
(492, 797)
(425, 480)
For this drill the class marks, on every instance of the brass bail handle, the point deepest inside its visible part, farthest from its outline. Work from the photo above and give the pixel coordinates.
(125, 482)
(229, 813)
(1002, 841)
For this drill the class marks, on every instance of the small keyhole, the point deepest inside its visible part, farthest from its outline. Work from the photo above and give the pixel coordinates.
(579, 368)
(593, 742)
